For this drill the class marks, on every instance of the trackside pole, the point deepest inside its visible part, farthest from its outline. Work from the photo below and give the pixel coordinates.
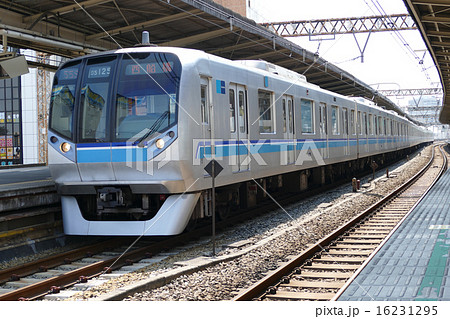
(213, 169)
(213, 208)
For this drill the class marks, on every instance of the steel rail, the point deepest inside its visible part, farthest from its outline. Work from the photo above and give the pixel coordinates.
(444, 167)
(54, 261)
(37, 290)
(54, 284)
(259, 288)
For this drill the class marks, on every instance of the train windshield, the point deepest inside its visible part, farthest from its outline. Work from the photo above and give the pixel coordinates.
(119, 98)
(147, 95)
(63, 99)
(95, 92)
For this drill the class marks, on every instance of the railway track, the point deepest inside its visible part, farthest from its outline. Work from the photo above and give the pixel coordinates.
(324, 268)
(35, 280)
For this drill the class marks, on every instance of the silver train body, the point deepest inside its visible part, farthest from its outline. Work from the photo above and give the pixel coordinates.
(131, 132)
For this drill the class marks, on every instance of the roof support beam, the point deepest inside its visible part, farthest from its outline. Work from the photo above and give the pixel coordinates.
(442, 53)
(196, 38)
(440, 44)
(241, 46)
(146, 24)
(439, 34)
(432, 2)
(336, 86)
(64, 10)
(431, 19)
(267, 54)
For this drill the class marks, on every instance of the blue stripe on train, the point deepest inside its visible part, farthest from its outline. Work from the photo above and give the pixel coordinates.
(91, 153)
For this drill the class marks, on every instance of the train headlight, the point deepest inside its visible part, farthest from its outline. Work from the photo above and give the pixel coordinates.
(65, 147)
(159, 143)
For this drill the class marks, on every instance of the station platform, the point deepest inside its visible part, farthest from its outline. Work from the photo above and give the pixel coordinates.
(414, 263)
(26, 187)
(24, 177)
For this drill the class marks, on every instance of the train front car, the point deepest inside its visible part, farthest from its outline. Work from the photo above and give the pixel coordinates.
(113, 144)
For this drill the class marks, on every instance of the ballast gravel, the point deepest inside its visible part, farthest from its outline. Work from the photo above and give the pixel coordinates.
(289, 230)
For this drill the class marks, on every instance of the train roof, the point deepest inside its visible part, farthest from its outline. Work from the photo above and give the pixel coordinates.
(187, 55)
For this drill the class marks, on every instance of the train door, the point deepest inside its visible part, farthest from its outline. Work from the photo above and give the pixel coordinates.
(206, 113)
(239, 129)
(288, 127)
(323, 130)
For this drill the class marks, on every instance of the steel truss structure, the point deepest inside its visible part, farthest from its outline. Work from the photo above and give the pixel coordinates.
(393, 22)
(408, 92)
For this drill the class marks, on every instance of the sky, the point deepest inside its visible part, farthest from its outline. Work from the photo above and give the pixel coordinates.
(388, 62)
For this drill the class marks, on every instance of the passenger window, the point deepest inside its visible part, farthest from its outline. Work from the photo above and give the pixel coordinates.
(370, 124)
(359, 120)
(291, 116)
(266, 114)
(345, 120)
(283, 102)
(365, 124)
(306, 109)
(335, 119)
(375, 124)
(242, 107)
(352, 122)
(323, 118)
(205, 115)
(232, 111)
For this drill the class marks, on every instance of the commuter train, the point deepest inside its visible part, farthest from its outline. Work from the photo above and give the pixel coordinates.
(131, 131)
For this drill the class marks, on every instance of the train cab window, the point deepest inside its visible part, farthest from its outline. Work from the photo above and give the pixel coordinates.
(95, 90)
(266, 114)
(307, 115)
(335, 120)
(147, 95)
(232, 111)
(63, 98)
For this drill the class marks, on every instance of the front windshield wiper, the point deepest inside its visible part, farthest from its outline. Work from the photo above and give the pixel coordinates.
(156, 125)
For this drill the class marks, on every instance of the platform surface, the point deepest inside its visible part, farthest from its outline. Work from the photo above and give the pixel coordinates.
(414, 263)
(24, 177)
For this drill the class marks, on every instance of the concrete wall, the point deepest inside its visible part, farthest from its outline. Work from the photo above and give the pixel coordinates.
(29, 118)
(239, 6)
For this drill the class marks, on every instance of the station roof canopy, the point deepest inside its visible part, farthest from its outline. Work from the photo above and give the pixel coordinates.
(70, 29)
(433, 20)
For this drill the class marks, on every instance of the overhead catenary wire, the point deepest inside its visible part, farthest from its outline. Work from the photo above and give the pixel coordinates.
(397, 35)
